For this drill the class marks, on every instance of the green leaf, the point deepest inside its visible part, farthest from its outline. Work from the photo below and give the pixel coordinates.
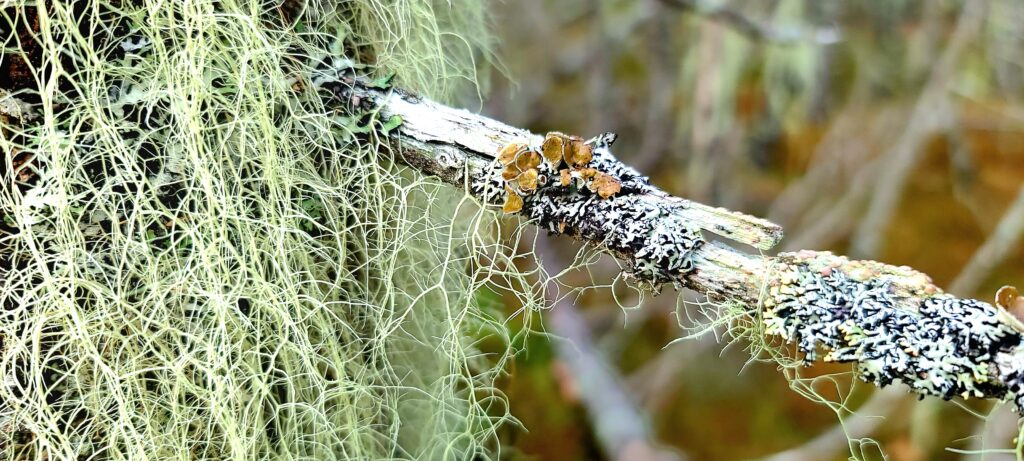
(394, 122)
(382, 83)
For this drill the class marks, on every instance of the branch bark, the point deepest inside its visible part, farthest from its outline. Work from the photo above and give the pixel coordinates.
(754, 29)
(893, 322)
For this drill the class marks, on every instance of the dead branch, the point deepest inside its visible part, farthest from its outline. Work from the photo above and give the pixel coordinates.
(892, 322)
(717, 11)
(620, 427)
(931, 112)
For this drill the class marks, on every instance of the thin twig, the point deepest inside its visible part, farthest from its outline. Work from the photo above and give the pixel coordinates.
(993, 433)
(999, 246)
(929, 114)
(706, 158)
(996, 249)
(657, 379)
(864, 421)
(619, 426)
(839, 216)
(843, 143)
(756, 30)
(662, 68)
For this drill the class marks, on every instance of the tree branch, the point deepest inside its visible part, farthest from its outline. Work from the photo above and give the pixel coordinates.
(754, 29)
(931, 112)
(893, 322)
(999, 245)
(619, 426)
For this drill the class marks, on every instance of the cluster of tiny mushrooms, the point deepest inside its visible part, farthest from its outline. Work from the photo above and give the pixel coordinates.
(569, 156)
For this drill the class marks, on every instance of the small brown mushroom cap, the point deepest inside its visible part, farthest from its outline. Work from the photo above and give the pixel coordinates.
(564, 178)
(510, 173)
(582, 153)
(528, 180)
(589, 173)
(513, 202)
(553, 148)
(528, 159)
(523, 162)
(1006, 296)
(1010, 300)
(605, 185)
(510, 152)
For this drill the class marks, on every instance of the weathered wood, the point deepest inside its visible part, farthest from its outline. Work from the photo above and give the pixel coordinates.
(893, 322)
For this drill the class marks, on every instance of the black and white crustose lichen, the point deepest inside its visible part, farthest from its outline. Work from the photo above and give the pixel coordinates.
(567, 185)
(943, 349)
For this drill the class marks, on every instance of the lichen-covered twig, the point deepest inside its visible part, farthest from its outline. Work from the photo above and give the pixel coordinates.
(999, 244)
(893, 322)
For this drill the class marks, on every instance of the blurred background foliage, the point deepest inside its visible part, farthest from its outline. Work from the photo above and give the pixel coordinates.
(882, 129)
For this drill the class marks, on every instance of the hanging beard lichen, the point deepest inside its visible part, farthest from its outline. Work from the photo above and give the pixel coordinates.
(201, 259)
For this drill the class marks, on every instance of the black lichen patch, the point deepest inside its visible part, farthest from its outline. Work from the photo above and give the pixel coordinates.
(632, 221)
(948, 347)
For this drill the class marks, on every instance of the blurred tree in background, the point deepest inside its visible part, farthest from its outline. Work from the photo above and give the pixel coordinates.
(890, 130)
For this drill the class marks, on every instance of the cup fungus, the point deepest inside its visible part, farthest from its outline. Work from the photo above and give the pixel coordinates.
(523, 166)
(595, 197)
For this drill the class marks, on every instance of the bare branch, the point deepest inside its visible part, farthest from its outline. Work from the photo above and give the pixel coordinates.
(717, 11)
(930, 113)
(995, 250)
(893, 322)
(620, 427)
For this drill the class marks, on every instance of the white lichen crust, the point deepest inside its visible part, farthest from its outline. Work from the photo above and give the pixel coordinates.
(947, 347)
(1010, 366)
(660, 241)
